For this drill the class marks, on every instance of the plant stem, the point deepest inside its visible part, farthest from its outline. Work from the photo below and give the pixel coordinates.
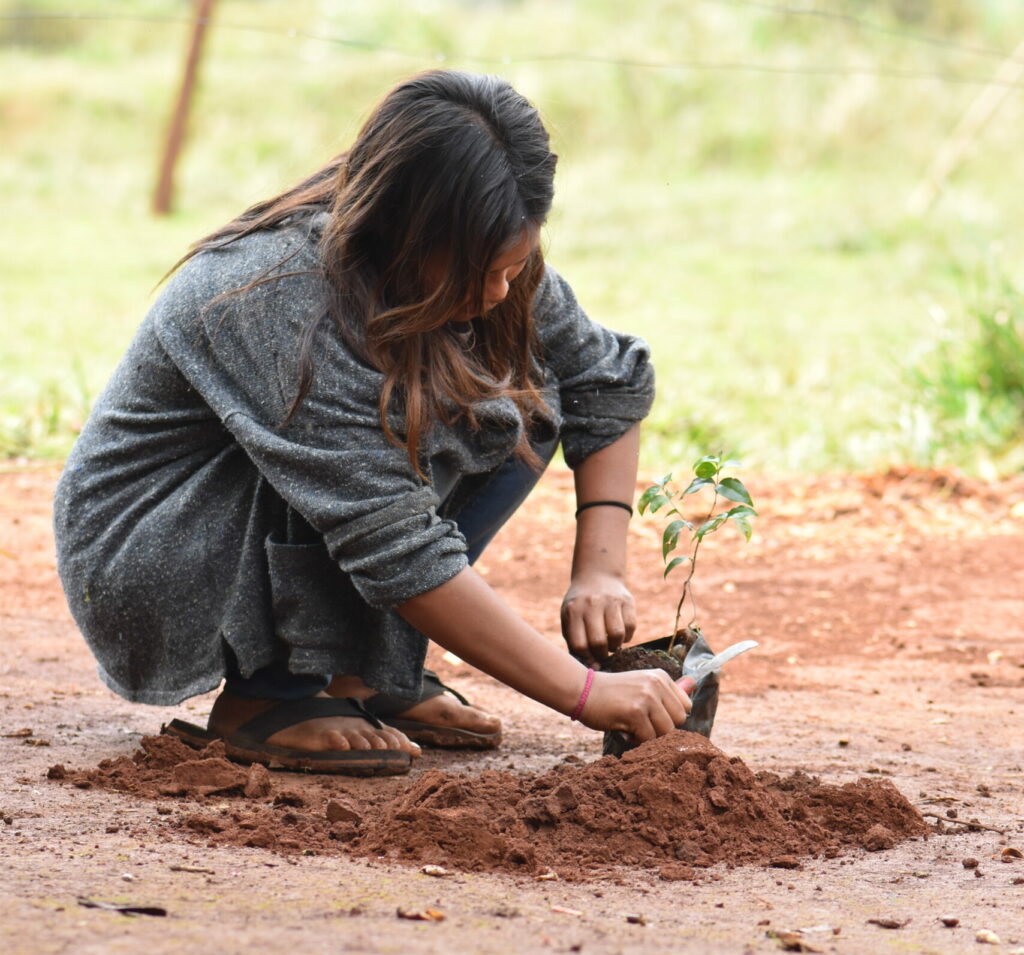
(687, 590)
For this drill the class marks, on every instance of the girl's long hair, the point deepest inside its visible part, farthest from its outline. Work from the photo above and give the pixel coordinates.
(450, 170)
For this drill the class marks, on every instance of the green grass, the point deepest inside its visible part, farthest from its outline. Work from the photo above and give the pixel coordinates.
(750, 225)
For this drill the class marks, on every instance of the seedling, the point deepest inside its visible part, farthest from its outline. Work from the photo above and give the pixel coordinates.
(666, 493)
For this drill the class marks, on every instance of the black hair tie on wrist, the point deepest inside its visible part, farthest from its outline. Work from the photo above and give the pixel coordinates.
(622, 504)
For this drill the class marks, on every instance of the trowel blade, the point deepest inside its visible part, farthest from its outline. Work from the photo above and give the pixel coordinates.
(717, 661)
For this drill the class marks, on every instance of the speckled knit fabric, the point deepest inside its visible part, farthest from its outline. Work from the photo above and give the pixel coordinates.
(172, 514)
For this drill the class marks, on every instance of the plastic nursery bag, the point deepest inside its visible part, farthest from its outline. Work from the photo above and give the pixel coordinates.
(704, 697)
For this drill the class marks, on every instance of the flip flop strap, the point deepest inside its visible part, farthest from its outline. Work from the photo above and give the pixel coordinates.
(289, 712)
(431, 679)
(385, 705)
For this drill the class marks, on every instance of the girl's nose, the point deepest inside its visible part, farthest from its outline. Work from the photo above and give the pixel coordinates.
(497, 289)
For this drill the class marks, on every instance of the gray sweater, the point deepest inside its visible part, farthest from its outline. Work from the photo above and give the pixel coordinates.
(170, 515)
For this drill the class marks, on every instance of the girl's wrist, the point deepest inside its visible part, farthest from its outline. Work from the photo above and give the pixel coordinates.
(584, 696)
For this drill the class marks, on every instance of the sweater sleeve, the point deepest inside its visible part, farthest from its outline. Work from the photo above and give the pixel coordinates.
(605, 378)
(331, 462)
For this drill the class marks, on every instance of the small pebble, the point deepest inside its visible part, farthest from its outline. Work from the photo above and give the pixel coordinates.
(987, 937)
(950, 921)
(877, 838)
(785, 862)
(677, 873)
(970, 863)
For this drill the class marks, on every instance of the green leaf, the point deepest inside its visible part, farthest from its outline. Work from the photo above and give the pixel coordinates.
(741, 516)
(658, 502)
(696, 484)
(709, 527)
(705, 469)
(653, 499)
(733, 490)
(645, 498)
(744, 525)
(673, 564)
(670, 539)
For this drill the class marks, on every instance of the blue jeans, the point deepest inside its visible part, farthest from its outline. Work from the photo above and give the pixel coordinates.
(479, 504)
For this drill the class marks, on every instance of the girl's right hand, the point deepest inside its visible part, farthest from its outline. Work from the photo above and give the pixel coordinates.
(644, 703)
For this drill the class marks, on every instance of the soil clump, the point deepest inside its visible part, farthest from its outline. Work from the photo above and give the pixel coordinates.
(677, 804)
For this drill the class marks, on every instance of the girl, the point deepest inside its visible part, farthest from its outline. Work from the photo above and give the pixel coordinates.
(334, 405)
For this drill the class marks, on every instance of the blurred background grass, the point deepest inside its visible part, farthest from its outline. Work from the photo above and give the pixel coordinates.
(733, 186)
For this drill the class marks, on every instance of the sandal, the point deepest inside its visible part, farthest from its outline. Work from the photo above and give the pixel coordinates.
(386, 708)
(247, 744)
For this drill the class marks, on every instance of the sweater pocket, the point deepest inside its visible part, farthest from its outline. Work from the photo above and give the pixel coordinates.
(317, 612)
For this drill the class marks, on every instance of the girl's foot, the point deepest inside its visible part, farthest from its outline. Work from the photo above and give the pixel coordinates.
(320, 735)
(443, 711)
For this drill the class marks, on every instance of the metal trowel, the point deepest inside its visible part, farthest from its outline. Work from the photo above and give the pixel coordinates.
(702, 668)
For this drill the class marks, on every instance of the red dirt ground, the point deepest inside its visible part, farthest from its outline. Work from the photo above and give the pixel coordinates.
(890, 610)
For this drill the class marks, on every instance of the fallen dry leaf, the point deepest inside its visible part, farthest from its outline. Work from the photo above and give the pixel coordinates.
(437, 871)
(420, 915)
(792, 942)
(562, 910)
(123, 909)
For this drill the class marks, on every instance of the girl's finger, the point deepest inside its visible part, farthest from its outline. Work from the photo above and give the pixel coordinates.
(575, 632)
(662, 721)
(597, 635)
(675, 708)
(614, 626)
(628, 620)
(644, 730)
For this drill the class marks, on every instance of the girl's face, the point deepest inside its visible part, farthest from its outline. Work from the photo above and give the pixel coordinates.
(504, 269)
(500, 274)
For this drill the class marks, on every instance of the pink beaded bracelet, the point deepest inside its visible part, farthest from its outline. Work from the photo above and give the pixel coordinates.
(575, 714)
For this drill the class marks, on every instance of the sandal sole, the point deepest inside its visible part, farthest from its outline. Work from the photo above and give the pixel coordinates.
(382, 762)
(445, 737)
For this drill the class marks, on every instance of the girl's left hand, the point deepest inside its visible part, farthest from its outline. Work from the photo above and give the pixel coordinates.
(598, 615)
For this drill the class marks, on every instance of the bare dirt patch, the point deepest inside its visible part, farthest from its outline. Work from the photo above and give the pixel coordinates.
(889, 684)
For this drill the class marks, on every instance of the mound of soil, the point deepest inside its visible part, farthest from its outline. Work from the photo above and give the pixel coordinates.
(678, 804)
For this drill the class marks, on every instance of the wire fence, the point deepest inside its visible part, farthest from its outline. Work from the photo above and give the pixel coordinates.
(585, 58)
